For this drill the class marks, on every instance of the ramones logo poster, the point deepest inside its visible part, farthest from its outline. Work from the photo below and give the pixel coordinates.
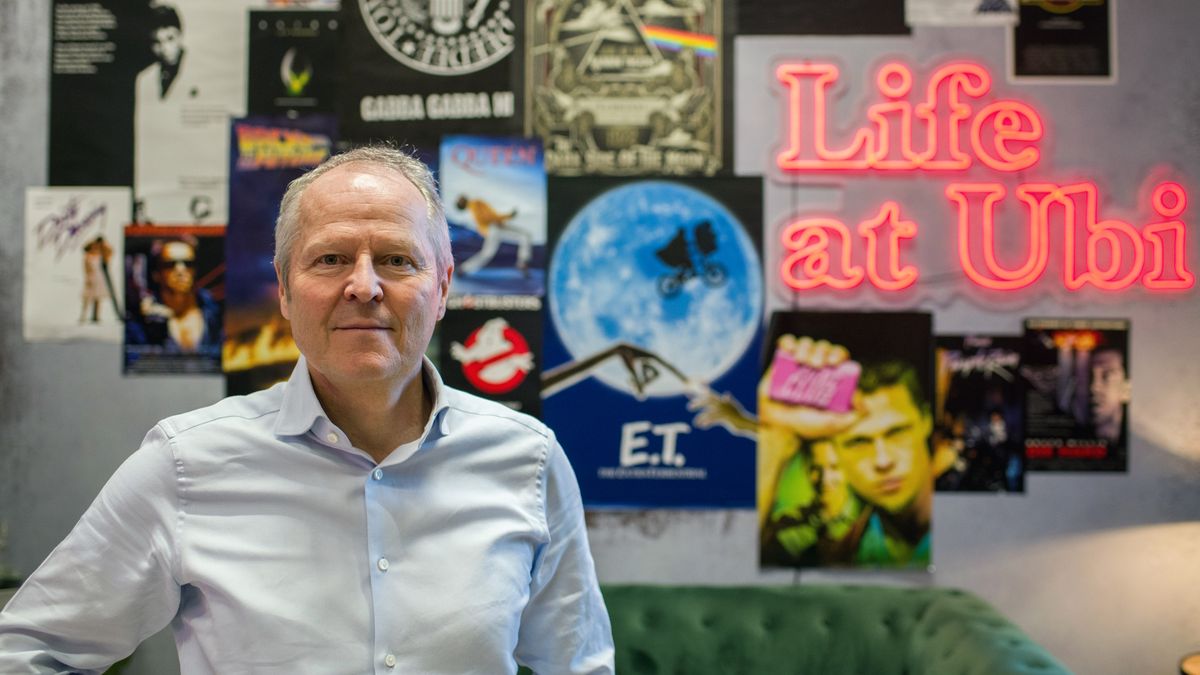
(630, 88)
(416, 69)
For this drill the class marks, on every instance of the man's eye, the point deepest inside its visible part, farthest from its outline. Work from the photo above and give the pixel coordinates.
(328, 259)
(398, 261)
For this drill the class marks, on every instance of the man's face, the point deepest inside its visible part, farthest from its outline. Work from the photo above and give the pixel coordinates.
(364, 293)
(168, 45)
(177, 266)
(1110, 391)
(885, 455)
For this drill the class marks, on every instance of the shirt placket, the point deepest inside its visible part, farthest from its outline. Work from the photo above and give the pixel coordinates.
(381, 545)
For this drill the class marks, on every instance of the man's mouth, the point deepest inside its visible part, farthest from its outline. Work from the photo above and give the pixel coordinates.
(891, 485)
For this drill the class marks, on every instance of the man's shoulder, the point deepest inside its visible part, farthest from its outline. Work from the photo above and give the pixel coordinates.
(229, 410)
(465, 403)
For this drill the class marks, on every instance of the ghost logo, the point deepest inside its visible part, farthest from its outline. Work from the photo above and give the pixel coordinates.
(442, 37)
(495, 358)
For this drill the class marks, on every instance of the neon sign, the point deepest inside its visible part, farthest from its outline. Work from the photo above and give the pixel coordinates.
(952, 128)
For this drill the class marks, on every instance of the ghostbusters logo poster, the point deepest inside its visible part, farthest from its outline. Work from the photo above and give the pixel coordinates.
(493, 354)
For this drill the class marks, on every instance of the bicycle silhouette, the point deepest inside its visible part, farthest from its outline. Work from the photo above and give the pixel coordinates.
(677, 254)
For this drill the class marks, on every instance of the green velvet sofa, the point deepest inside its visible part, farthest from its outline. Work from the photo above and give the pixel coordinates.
(819, 629)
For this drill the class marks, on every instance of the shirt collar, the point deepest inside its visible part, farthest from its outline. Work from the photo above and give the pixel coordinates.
(300, 409)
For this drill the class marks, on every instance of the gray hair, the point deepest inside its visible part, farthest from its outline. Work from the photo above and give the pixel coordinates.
(287, 226)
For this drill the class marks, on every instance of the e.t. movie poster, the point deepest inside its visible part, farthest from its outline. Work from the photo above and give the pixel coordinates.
(415, 70)
(655, 299)
(267, 154)
(1077, 394)
(495, 195)
(846, 466)
(629, 88)
(979, 413)
(174, 299)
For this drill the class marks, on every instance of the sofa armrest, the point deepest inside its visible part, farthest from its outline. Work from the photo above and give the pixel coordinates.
(961, 634)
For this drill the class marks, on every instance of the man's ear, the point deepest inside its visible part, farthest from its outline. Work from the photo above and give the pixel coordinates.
(445, 287)
(283, 299)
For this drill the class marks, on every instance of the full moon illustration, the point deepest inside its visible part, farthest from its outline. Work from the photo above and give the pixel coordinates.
(614, 278)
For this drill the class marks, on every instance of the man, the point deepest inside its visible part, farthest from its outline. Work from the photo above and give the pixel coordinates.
(495, 228)
(878, 453)
(361, 517)
(177, 316)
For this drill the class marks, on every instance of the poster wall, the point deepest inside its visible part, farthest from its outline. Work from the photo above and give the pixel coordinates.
(652, 338)
(846, 466)
(74, 240)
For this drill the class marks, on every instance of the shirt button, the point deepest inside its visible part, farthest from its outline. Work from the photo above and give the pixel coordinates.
(389, 661)
(383, 565)
(331, 437)
(377, 474)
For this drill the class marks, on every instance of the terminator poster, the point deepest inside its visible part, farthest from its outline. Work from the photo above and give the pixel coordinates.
(267, 153)
(414, 70)
(495, 195)
(1077, 399)
(655, 297)
(494, 354)
(979, 413)
(629, 88)
(174, 299)
(846, 466)
(74, 241)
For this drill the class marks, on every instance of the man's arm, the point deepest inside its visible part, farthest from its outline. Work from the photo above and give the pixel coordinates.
(565, 626)
(110, 584)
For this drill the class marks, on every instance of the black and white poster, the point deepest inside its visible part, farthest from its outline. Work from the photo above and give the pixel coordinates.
(1077, 398)
(960, 12)
(1064, 41)
(821, 17)
(628, 89)
(293, 62)
(416, 69)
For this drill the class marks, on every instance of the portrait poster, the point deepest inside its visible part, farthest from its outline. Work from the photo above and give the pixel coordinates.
(494, 190)
(267, 152)
(979, 413)
(74, 240)
(655, 297)
(495, 354)
(821, 17)
(1077, 396)
(629, 88)
(846, 466)
(1064, 41)
(960, 12)
(413, 71)
(292, 62)
(174, 299)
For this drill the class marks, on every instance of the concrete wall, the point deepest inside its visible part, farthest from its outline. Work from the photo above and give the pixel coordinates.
(1102, 569)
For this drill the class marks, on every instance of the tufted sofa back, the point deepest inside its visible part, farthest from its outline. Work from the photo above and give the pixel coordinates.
(818, 629)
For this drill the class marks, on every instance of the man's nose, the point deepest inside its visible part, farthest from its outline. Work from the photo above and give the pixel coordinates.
(363, 284)
(883, 457)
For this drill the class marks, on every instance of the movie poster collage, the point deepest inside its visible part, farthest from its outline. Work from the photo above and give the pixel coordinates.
(609, 275)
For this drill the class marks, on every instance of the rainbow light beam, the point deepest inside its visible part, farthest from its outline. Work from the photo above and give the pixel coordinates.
(674, 40)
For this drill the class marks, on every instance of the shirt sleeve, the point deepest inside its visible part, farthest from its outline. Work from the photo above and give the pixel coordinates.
(110, 584)
(565, 627)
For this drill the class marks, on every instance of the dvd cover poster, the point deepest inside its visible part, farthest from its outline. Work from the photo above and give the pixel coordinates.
(629, 89)
(655, 299)
(494, 190)
(293, 62)
(1077, 397)
(174, 299)
(979, 413)
(846, 466)
(493, 354)
(1064, 41)
(74, 240)
(267, 152)
(416, 70)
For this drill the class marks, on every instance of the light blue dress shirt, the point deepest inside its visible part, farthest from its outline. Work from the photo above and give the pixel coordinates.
(271, 545)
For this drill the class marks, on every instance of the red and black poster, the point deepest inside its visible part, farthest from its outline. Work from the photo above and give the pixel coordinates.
(1077, 398)
(413, 71)
(495, 354)
(293, 62)
(979, 413)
